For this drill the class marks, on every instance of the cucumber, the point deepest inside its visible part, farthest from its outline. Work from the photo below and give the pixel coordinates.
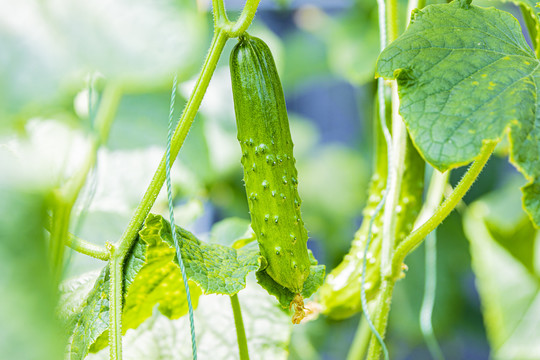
(270, 174)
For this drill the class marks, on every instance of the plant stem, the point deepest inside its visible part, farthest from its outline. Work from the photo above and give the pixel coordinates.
(430, 288)
(180, 133)
(222, 32)
(396, 168)
(240, 330)
(115, 305)
(382, 310)
(220, 15)
(244, 20)
(82, 246)
(61, 214)
(66, 195)
(86, 248)
(416, 237)
(360, 342)
(392, 15)
(434, 197)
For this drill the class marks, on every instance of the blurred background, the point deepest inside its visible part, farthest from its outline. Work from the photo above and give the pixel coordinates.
(58, 56)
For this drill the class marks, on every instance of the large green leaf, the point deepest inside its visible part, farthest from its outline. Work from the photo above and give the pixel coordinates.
(466, 75)
(268, 331)
(507, 272)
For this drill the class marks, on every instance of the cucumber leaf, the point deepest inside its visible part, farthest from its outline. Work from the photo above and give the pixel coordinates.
(150, 277)
(507, 272)
(216, 268)
(268, 331)
(466, 75)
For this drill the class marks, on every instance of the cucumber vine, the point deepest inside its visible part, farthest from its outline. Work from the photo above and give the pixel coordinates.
(441, 101)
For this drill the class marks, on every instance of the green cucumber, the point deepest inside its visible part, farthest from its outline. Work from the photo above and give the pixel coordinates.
(270, 174)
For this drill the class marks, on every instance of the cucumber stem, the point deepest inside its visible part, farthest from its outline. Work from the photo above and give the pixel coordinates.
(417, 236)
(115, 305)
(87, 248)
(240, 330)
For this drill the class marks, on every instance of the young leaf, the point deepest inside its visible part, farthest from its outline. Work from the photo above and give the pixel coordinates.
(465, 76)
(216, 268)
(507, 274)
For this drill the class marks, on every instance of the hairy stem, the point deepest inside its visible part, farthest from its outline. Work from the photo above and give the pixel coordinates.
(381, 311)
(240, 330)
(180, 133)
(82, 246)
(416, 237)
(61, 215)
(115, 305)
(396, 168)
(87, 248)
(67, 194)
(223, 31)
(244, 20)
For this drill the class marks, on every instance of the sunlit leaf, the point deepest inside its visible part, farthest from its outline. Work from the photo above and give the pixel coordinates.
(218, 269)
(268, 331)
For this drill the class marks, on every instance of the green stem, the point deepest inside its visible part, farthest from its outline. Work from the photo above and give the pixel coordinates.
(86, 248)
(434, 197)
(244, 20)
(180, 133)
(240, 331)
(223, 31)
(392, 15)
(360, 342)
(396, 168)
(67, 194)
(82, 246)
(382, 311)
(416, 237)
(115, 305)
(220, 15)
(107, 110)
(59, 229)
(414, 4)
(430, 288)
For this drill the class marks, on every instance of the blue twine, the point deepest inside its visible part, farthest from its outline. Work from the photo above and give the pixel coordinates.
(173, 228)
